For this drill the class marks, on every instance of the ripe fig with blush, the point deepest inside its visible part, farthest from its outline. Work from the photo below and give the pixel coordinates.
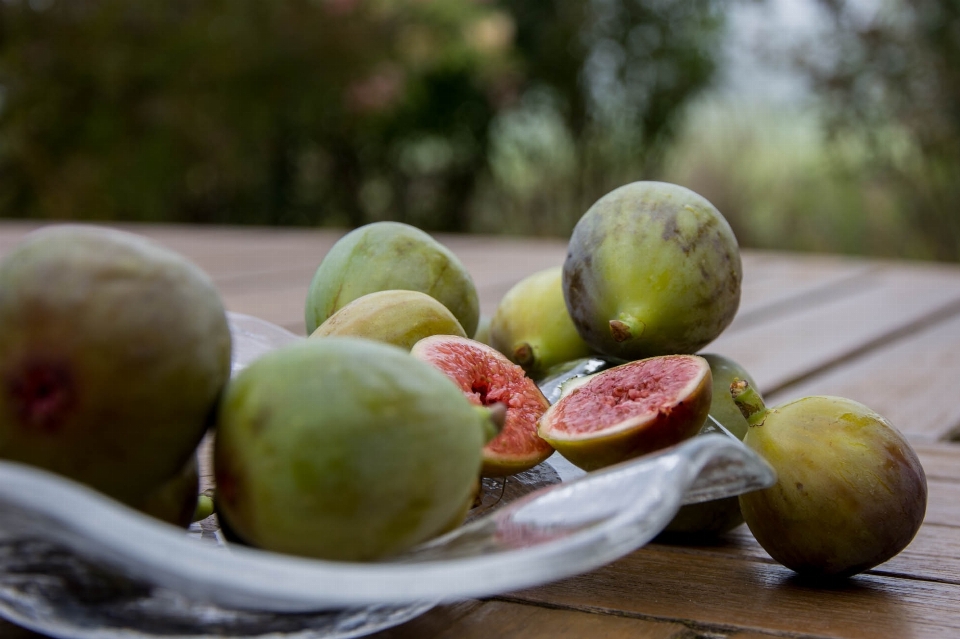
(850, 491)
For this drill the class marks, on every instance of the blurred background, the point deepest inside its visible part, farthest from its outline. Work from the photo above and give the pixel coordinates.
(813, 125)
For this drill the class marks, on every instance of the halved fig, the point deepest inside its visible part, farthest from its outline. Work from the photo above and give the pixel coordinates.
(630, 410)
(487, 377)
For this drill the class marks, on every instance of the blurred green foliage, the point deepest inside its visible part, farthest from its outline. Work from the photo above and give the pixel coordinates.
(451, 115)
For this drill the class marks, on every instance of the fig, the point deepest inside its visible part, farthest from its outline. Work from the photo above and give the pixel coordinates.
(651, 269)
(344, 449)
(486, 377)
(701, 522)
(850, 491)
(113, 353)
(385, 256)
(531, 325)
(630, 410)
(401, 318)
(175, 501)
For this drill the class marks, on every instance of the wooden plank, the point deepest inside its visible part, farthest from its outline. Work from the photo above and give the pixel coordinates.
(791, 347)
(907, 381)
(738, 594)
(504, 620)
(940, 461)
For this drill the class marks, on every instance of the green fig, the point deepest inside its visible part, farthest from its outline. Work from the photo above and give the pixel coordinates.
(850, 491)
(651, 269)
(344, 449)
(706, 520)
(113, 352)
(385, 256)
(401, 318)
(531, 325)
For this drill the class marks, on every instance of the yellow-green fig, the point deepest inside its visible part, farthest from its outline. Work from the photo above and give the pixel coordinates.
(531, 325)
(651, 269)
(385, 256)
(401, 318)
(344, 449)
(850, 491)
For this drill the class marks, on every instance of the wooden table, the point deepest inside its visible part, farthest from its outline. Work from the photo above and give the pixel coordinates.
(881, 332)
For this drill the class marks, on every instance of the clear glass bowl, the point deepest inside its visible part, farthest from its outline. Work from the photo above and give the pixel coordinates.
(76, 564)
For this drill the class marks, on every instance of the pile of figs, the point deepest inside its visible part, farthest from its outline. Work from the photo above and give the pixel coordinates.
(372, 434)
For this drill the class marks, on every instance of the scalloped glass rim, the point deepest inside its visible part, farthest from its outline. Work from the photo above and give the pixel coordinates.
(558, 531)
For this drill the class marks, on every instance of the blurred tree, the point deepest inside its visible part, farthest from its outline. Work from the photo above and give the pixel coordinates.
(322, 111)
(890, 76)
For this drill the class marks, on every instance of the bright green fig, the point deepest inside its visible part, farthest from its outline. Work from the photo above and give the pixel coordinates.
(401, 318)
(850, 491)
(113, 353)
(651, 269)
(384, 256)
(344, 449)
(709, 519)
(629, 410)
(487, 378)
(531, 325)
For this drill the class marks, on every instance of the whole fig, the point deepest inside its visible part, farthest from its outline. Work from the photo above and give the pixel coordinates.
(113, 353)
(531, 325)
(401, 318)
(651, 269)
(386, 256)
(850, 491)
(344, 449)
(706, 520)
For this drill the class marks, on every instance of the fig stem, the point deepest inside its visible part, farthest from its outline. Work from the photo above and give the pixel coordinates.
(626, 327)
(494, 417)
(748, 400)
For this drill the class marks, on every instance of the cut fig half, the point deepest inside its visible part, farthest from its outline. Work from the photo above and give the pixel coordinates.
(487, 377)
(630, 410)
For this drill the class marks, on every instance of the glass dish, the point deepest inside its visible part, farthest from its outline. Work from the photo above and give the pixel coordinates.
(76, 564)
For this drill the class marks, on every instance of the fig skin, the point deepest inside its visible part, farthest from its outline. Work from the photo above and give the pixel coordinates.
(345, 449)
(385, 256)
(531, 325)
(673, 422)
(652, 269)
(113, 353)
(175, 501)
(707, 520)
(401, 318)
(850, 493)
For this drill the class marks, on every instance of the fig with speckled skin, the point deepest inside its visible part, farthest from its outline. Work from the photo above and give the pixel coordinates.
(850, 491)
(345, 449)
(113, 353)
(385, 256)
(651, 269)
(531, 325)
(401, 318)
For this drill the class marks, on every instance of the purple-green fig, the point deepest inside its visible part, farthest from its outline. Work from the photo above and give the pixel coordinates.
(706, 520)
(113, 354)
(385, 256)
(531, 325)
(850, 491)
(651, 269)
(344, 449)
